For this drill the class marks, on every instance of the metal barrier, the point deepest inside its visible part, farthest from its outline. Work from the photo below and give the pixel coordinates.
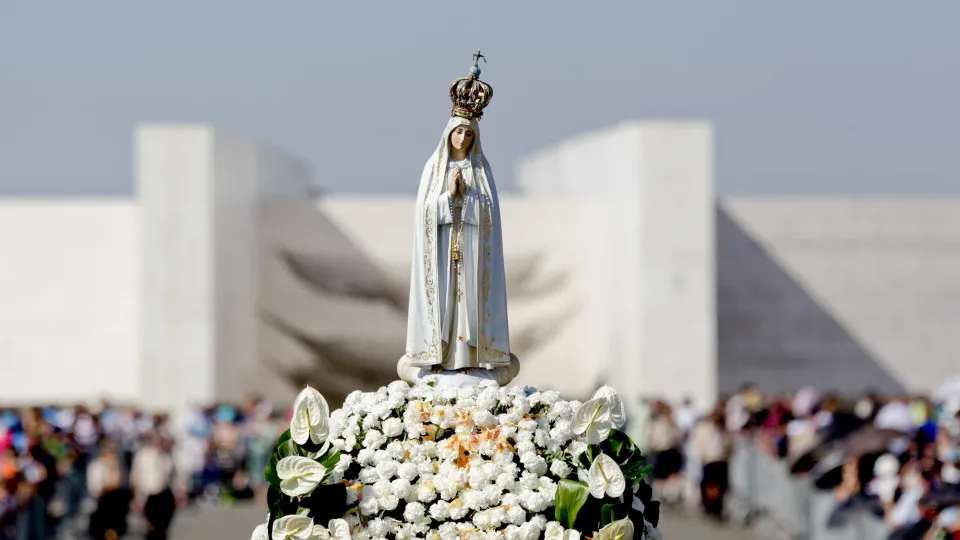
(765, 495)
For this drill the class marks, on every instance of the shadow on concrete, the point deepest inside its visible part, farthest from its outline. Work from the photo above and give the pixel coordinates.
(772, 332)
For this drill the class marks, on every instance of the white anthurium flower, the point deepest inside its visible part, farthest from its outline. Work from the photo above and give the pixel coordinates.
(299, 475)
(593, 418)
(618, 530)
(605, 477)
(320, 533)
(339, 529)
(617, 415)
(311, 417)
(292, 528)
(261, 532)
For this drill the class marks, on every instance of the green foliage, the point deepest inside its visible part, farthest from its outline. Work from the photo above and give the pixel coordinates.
(570, 498)
(577, 509)
(614, 511)
(325, 502)
(284, 447)
(621, 448)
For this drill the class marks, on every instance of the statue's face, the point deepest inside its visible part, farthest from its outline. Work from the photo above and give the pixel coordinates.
(461, 139)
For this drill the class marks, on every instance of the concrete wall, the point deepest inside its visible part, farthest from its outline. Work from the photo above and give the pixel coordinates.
(70, 309)
(839, 293)
(652, 262)
(199, 192)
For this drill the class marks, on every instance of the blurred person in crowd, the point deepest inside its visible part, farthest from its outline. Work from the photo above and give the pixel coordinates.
(153, 482)
(802, 428)
(903, 511)
(712, 446)
(665, 444)
(228, 452)
(86, 431)
(192, 448)
(105, 485)
(867, 406)
(686, 415)
(261, 433)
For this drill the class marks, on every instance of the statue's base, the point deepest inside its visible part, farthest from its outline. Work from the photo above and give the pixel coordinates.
(502, 375)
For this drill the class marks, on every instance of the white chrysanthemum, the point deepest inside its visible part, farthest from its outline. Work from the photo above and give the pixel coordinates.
(482, 520)
(440, 511)
(387, 469)
(299, 475)
(368, 475)
(485, 420)
(373, 439)
(370, 422)
(425, 490)
(458, 509)
(311, 418)
(606, 478)
(378, 528)
(369, 504)
(517, 515)
(560, 468)
(392, 427)
(401, 488)
(407, 471)
(398, 387)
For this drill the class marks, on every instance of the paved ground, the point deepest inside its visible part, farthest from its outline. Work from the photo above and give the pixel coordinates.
(236, 524)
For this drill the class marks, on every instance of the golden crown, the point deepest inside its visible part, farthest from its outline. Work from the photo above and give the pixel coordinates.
(469, 94)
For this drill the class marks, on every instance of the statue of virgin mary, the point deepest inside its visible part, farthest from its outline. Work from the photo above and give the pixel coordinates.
(457, 319)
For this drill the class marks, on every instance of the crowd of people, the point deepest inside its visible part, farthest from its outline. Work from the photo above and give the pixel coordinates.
(895, 457)
(64, 466)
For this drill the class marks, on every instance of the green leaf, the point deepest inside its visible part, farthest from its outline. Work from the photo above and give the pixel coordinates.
(330, 460)
(611, 512)
(285, 447)
(638, 470)
(571, 496)
(280, 505)
(619, 446)
(270, 472)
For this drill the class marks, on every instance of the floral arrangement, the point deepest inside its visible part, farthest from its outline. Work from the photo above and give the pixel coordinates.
(447, 463)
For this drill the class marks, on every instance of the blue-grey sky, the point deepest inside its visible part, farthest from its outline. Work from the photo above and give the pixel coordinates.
(853, 96)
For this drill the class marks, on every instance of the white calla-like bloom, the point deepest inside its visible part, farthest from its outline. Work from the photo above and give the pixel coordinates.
(292, 528)
(339, 529)
(617, 414)
(320, 533)
(605, 477)
(311, 417)
(299, 475)
(593, 419)
(618, 530)
(261, 532)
